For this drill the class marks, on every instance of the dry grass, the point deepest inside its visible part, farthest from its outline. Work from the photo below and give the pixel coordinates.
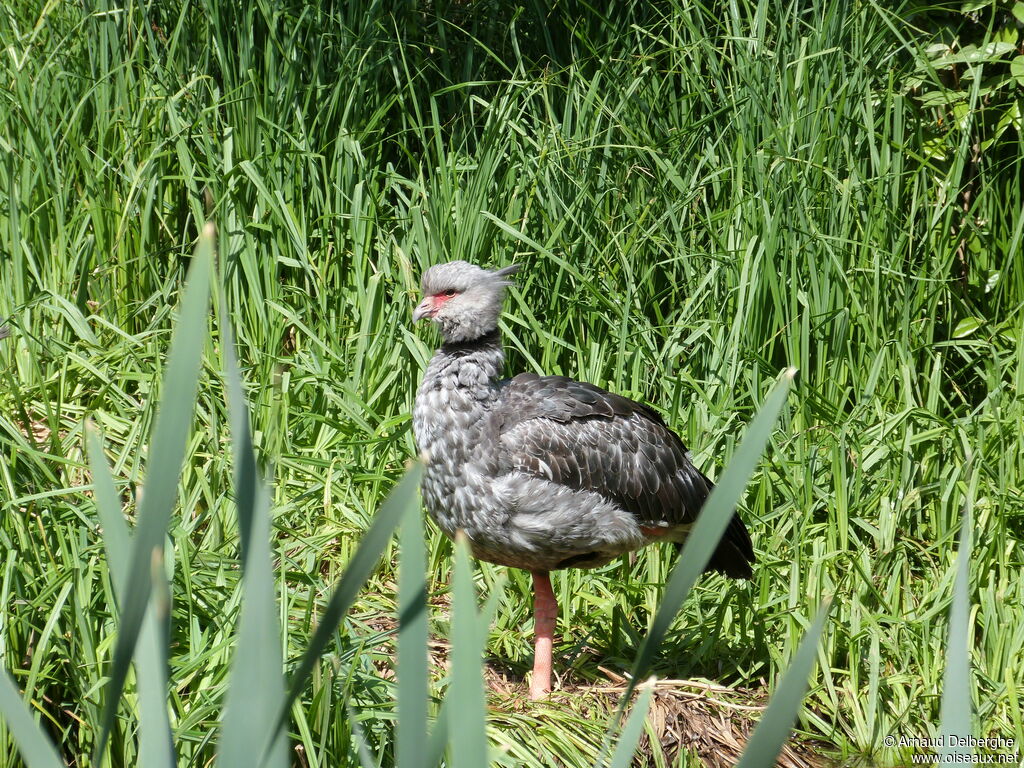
(713, 729)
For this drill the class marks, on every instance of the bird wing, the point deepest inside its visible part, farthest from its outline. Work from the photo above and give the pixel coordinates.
(583, 437)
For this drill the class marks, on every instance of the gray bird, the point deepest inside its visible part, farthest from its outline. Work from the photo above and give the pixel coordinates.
(544, 472)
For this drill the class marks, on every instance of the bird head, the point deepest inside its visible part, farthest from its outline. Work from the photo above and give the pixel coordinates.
(463, 299)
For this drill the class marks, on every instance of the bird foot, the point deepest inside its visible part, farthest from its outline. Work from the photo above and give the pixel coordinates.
(539, 689)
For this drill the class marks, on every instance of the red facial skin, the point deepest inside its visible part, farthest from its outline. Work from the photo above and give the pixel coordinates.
(438, 300)
(432, 304)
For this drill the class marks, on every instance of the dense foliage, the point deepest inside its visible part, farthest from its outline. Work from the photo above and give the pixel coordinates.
(701, 194)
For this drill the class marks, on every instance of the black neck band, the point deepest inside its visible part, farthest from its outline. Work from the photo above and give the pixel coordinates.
(491, 339)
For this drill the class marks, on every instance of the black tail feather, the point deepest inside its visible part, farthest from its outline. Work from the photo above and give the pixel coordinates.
(735, 552)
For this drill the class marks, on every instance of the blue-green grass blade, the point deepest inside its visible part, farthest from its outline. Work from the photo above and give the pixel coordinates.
(116, 538)
(412, 645)
(711, 524)
(402, 501)
(36, 749)
(251, 734)
(630, 735)
(173, 420)
(156, 743)
(466, 694)
(438, 737)
(246, 473)
(955, 714)
(439, 734)
(772, 731)
(364, 751)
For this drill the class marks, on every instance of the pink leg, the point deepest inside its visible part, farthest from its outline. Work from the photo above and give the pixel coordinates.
(545, 613)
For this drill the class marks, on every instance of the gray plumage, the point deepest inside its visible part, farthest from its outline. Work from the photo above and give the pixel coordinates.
(544, 472)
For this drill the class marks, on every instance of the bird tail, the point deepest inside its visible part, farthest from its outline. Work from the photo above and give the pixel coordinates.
(735, 552)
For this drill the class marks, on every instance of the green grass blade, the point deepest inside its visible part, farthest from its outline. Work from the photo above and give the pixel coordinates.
(412, 645)
(156, 743)
(622, 757)
(401, 502)
(710, 526)
(466, 694)
(955, 715)
(36, 749)
(250, 734)
(173, 421)
(772, 731)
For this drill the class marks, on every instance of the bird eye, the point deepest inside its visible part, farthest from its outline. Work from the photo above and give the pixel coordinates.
(450, 292)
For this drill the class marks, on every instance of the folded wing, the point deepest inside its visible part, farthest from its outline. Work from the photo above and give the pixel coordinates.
(585, 438)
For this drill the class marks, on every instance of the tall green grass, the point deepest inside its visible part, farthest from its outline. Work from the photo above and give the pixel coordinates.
(701, 195)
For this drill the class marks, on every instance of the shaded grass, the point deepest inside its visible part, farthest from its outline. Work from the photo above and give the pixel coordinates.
(702, 196)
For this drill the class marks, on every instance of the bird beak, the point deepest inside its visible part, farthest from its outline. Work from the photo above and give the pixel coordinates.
(426, 308)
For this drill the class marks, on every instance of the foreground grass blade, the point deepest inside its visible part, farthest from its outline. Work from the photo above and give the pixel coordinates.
(710, 526)
(401, 502)
(173, 420)
(440, 734)
(955, 717)
(366, 757)
(412, 645)
(466, 693)
(630, 735)
(772, 731)
(116, 537)
(36, 749)
(156, 744)
(438, 737)
(250, 734)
